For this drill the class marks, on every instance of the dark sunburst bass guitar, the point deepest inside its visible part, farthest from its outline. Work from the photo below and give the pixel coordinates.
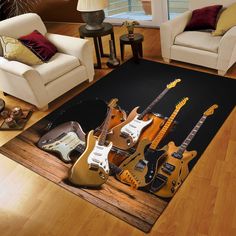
(174, 170)
(125, 135)
(144, 162)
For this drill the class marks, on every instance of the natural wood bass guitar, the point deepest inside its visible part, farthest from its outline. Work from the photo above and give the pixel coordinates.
(126, 134)
(144, 162)
(174, 170)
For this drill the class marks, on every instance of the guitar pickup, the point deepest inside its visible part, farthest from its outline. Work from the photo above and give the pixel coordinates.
(97, 154)
(95, 160)
(141, 165)
(168, 168)
(177, 155)
(93, 167)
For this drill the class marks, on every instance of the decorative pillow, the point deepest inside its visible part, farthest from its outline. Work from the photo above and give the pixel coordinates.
(226, 21)
(40, 45)
(204, 18)
(13, 49)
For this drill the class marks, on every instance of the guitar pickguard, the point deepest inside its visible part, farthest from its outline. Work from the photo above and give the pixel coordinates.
(64, 145)
(134, 128)
(99, 157)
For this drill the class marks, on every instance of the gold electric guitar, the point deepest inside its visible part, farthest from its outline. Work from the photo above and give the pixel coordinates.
(144, 162)
(92, 167)
(174, 170)
(125, 135)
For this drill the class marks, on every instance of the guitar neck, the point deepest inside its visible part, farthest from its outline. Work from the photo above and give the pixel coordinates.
(154, 102)
(163, 131)
(102, 137)
(191, 135)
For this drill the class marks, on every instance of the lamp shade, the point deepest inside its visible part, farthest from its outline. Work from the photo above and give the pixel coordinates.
(91, 5)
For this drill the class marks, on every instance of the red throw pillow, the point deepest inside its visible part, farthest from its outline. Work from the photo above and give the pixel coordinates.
(39, 45)
(204, 18)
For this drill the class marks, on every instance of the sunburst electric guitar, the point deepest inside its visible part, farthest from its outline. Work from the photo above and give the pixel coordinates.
(144, 162)
(63, 140)
(174, 170)
(126, 134)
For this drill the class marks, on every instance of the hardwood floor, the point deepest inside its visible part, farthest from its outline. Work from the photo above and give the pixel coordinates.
(204, 205)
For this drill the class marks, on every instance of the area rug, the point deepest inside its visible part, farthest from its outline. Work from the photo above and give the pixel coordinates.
(134, 85)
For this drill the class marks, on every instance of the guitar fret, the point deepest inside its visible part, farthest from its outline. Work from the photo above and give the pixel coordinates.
(149, 108)
(190, 137)
(161, 134)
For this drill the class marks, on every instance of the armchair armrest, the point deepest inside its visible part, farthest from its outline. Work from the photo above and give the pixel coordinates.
(14, 67)
(170, 29)
(80, 48)
(16, 76)
(227, 50)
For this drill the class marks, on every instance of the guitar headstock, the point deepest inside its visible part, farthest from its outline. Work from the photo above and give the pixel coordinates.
(210, 111)
(173, 84)
(126, 177)
(113, 102)
(181, 103)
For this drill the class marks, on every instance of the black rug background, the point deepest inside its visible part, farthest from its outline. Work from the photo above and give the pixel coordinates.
(138, 84)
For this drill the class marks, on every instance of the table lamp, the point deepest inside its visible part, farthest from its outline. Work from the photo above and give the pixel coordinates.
(92, 13)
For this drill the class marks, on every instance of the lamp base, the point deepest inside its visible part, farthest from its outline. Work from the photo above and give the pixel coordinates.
(93, 19)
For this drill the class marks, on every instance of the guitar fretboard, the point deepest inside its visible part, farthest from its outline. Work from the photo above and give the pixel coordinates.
(102, 137)
(191, 135)
(149, 108)
(163, 131)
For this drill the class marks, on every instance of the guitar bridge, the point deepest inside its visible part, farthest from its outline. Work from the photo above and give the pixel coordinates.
(93, 167)
(158, 183)
(124, 135)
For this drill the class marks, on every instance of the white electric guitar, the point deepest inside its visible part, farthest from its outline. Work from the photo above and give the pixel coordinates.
(126, 134)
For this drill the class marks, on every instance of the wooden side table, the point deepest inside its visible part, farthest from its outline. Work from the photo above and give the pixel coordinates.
(97, 39)
(136, 45)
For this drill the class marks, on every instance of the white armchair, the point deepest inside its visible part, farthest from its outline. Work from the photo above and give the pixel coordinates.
(41, 84)
(198, 47)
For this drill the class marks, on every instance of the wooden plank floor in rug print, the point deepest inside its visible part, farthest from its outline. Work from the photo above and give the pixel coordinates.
(137, 208)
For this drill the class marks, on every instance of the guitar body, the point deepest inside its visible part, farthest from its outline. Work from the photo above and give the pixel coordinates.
(92, 168)
(153, 129)
(143, 163)
(63, 139)
(180, 171)
(126, 134)
(118, 116)
(133, 160)
(148, 133)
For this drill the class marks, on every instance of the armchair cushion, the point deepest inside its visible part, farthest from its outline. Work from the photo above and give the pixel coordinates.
(58, 65)
(204, 18)
(39, 45)
(226, 21)
(198, 40)
(13, 49)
